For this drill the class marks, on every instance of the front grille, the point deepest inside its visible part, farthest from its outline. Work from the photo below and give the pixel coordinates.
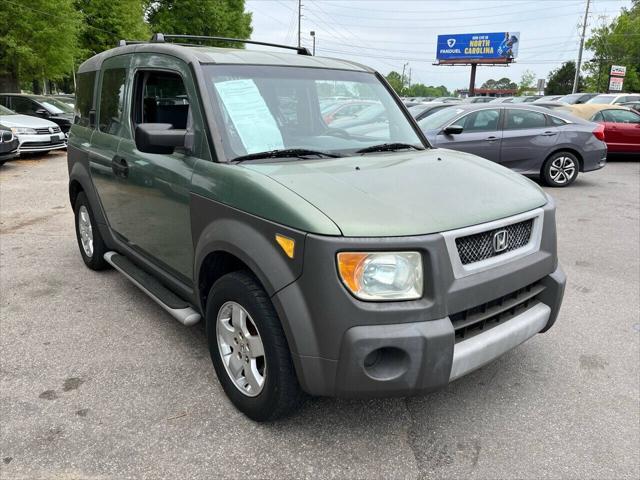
(482, 317)
(46, 131)
(479, 246)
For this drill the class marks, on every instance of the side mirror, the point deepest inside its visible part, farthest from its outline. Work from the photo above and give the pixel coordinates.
(42, 112)
(159, 138)
(453, 130)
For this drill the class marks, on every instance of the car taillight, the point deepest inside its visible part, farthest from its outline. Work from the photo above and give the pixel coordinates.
(599, 132)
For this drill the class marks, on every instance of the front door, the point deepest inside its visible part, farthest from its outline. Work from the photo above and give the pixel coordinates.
(156, 200)
(480, 136)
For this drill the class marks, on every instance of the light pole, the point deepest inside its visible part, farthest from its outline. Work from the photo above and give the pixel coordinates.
(313, 35)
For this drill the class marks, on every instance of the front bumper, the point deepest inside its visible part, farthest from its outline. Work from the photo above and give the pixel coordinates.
(345, 347)
(42, 143)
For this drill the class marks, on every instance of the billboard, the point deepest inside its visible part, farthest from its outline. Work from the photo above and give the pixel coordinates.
(497, 47)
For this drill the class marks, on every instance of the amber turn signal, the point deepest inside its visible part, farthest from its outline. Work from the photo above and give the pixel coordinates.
(287, 244)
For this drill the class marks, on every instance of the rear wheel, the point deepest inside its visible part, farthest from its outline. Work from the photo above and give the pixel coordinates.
(92, 247)
(560, 169)
(249, 350)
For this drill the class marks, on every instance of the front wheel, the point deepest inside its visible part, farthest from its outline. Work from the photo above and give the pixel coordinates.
(249, 350)
(560, 169)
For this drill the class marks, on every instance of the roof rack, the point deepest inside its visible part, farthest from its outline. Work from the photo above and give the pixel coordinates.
(162, 38)
(124, 43)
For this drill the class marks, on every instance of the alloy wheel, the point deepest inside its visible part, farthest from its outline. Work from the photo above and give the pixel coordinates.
(86, 232)
(562, 170)
(241, 349)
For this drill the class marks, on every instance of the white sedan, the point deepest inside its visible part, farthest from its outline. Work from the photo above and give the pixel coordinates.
(35, 134)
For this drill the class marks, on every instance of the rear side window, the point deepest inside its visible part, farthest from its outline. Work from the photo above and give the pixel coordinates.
(555, 121)
(112, 100)
(520, 119)
(84, 98)
(620, 116)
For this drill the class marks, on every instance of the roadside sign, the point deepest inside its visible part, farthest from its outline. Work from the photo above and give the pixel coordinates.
(541, 84)
(478, 47)
(618, 70)
(615, 84)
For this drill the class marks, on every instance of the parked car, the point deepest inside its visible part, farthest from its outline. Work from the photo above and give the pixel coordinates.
(8, 145)
(632, 105)
(551, 105)
(530, 140)
(344, 109)
(614, 99)
(547, 98)
(446, 99)
(502, 100)
(34, 134)
(577, 98)
(477, 100)
(425, 109)
(621, 125)
(337, 264)
(41, 106)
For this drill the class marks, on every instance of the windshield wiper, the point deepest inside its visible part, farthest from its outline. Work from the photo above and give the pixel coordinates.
(287, 152)
(388, 147)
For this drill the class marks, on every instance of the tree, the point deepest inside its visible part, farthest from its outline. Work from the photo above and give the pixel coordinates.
(396, 81)
(615, 44)
(421, 90)
(224, 18)
(105, 22)
(561, 80)
(38, 40)
(503, 84)
(527, 82)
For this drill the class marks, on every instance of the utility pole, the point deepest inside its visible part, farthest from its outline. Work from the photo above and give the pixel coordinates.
(403, 69)
(313, 35)
(299, 20)
(579, 63)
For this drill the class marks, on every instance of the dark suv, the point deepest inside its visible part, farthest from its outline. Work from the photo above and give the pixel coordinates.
(8, 145)
(351, 261)
(40, 106)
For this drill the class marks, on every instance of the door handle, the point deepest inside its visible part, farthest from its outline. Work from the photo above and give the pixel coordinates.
(120, 166)
(549, 134)
(491, 139)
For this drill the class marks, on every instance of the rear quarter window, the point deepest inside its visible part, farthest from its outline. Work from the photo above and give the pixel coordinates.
(84, 98)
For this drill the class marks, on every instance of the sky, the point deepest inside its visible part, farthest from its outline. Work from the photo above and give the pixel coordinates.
(386, 34)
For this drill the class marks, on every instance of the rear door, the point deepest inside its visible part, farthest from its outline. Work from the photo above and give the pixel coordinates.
(107, 175)
(526, 140)
(480, 136)
(622, 130)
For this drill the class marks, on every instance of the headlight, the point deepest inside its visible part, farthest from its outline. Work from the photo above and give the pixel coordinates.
(382, 275)
(23, 131)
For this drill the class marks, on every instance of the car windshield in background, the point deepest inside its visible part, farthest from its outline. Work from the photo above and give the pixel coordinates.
(266, 109)
(440, 118)
(6, 111)
(56, 106)
(602, 99)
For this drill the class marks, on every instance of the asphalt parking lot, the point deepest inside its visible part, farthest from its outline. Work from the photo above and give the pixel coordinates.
(96, 381)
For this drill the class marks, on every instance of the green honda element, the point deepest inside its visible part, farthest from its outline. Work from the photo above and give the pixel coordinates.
(332, 255)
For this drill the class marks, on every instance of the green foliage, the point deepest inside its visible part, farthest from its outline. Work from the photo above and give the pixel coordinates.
(615, 44)
(417, 89)
(38, 40)
(527, 82)
(560, 80)
(224, 18)
(107, 21)
(503, 84)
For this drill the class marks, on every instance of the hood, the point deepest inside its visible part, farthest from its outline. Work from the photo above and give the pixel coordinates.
(411, 193)
(25, 121)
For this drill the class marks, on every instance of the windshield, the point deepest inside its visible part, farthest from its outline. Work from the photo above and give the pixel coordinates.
(602, 99)
(6, 111)
(55, 106)
(440, 118)
(266, 108)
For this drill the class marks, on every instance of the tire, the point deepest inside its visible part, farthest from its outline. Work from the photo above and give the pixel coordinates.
(279, 394)
(93, 255)
(560, 169)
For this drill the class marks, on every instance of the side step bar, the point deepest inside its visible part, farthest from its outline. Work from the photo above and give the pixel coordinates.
(174, 305)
